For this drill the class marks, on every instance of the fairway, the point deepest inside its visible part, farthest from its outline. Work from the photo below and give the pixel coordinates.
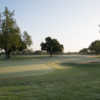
(69, 77)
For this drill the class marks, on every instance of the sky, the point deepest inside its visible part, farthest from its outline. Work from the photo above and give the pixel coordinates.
(73, 22)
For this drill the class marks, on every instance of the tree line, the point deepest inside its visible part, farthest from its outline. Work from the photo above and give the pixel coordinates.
(12, 39)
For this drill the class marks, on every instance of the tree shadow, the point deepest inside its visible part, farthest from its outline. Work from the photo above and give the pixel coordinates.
(82, 65)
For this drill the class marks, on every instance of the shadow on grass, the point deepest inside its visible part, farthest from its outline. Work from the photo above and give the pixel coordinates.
(83, 65)
(28, 57)
(24, 57)
(26, 60)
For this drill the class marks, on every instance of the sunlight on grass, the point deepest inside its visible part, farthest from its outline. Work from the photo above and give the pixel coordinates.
(24, 68)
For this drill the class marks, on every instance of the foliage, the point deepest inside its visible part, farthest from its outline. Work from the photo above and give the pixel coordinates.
(84, 51)
(95, 47)
(52, 46)
(27, 39)
(10, 35)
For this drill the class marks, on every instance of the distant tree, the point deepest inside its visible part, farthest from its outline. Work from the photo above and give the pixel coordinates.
(95, 47)
(52, 46)
(10, 35)
(84, 51)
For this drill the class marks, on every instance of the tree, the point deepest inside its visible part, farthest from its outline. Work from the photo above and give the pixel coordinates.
(95, 47)
(10, 35)
(27, 39)
(25, 42)
(84, 51)
(52, 46)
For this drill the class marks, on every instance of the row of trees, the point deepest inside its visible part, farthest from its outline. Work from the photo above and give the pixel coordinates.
(11, 38)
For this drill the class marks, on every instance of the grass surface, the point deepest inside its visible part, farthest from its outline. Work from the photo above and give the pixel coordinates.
(50, 78)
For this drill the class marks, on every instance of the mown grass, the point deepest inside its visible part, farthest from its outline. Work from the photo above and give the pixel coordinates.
(72, 78)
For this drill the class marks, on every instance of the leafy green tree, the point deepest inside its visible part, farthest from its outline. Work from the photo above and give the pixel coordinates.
(95, 47)
(52, 46)
(10, 35)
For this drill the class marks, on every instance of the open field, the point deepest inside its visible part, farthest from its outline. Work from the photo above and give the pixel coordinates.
(50, 78)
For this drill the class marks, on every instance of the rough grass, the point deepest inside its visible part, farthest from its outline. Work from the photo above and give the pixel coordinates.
(71, 78)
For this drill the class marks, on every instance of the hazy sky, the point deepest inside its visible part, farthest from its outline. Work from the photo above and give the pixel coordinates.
(73, 22)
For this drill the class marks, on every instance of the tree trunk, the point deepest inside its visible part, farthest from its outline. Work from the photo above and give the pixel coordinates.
(7, 54)
(50, 54)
